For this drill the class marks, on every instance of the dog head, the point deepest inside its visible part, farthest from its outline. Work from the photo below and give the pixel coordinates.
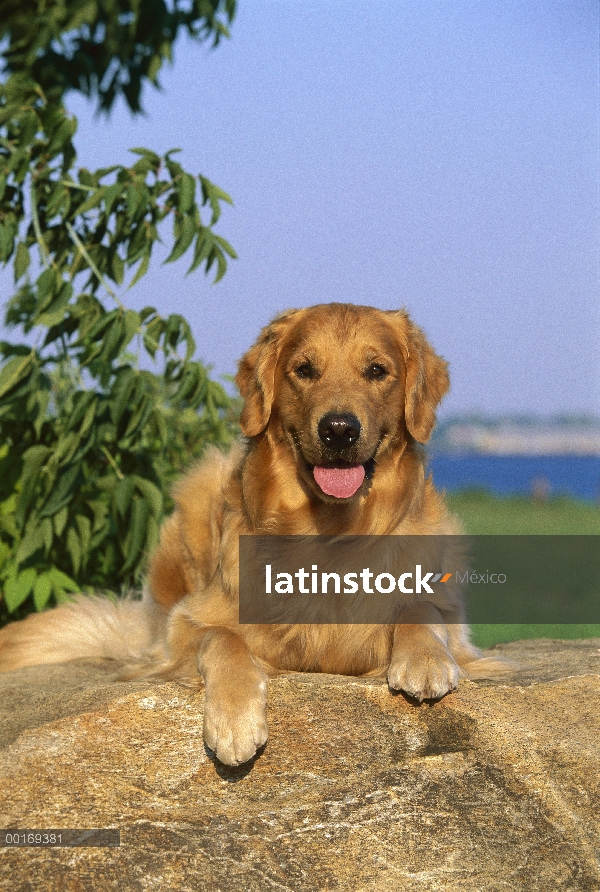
(341, 384)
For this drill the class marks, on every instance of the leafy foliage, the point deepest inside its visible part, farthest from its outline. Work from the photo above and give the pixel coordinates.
(103, 48)
(90, 438)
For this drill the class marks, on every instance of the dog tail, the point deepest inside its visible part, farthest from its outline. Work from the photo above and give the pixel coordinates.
(88, 627)
(487, 666)
(474, 663)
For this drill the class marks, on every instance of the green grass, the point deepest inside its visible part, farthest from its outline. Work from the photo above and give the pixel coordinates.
(486, 635)
(485, 514)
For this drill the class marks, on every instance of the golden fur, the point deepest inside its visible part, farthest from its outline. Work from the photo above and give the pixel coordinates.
(340, 359)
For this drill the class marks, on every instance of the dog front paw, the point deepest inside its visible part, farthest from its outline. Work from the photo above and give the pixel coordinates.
(427, 675)
(235, 729)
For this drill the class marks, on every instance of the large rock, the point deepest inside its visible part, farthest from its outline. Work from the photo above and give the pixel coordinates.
(493, 788)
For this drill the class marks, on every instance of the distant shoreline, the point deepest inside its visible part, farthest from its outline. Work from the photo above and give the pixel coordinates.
(507, 436)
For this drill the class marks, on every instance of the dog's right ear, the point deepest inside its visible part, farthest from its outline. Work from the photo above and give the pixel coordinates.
(256, 375)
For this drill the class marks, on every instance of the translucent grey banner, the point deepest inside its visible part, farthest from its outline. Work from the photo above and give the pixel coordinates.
(374, 579)
(60, 838)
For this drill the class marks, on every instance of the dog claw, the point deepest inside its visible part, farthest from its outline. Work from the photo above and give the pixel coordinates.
(424, 678)
(235, 736)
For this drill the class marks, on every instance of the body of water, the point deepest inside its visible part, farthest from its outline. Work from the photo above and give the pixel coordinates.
(577, 476)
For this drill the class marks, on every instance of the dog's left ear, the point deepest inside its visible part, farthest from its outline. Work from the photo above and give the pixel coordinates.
(427, 379)
(256, 375)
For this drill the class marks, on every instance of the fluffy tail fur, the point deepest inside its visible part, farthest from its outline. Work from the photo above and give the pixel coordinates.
(474, 663)
(87, 628)
(133, 633)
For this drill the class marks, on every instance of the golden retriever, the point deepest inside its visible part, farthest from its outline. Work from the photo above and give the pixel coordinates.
(337, 399)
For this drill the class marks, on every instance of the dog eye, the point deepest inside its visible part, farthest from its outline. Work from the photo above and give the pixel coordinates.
(376, 371)
(305, 370)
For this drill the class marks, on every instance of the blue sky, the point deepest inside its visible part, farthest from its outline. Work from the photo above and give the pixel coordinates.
(440, 155)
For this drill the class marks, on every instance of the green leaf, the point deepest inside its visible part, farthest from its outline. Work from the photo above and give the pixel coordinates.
(203, 248)
(42, 590)
(33, 459)
(12, 372)
(81, 402)
(99, 509)
(111, 193)
(118, 268)
(132, 325)
(7, 240)
(154, 67)
(18, 588)
(60, 521)
(65, 448)
(60, 196)
(84, 528)
(27, 492)
(152, 534)
(221, 266)
(189, 383)
(42, 400)
(152, 335)
(4, 553)
(105, 171)
(53, 311)
(146, 153)
(226, 246)
(188, 231)
(95, 198)
(74, 549)
(60, 137)
(83, 14)
(160, 423)
(46, 284)
(142, 269)
(113, 339)
(123, 494)
(8, 516)
(63, 492)
(215, 191)
(96, 332)
(142, 413)
(138, 529)
(121, 392)
(47, 534)
(212, 195)
(133, 199)
(32, 541)
(140, 241)
(88, 418)
(21, 261)
(173, 167)
(107, 483)
(61, 584)
(186, 189)
(152, 494)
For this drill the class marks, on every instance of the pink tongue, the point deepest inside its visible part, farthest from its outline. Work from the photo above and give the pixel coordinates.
(339, 482)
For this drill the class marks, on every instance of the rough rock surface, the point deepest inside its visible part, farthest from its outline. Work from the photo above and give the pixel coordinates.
(496, 787)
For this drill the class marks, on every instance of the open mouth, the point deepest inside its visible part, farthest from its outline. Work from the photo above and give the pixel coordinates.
(342, 480)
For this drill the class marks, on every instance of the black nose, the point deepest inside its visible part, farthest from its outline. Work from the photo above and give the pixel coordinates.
(339, 432)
